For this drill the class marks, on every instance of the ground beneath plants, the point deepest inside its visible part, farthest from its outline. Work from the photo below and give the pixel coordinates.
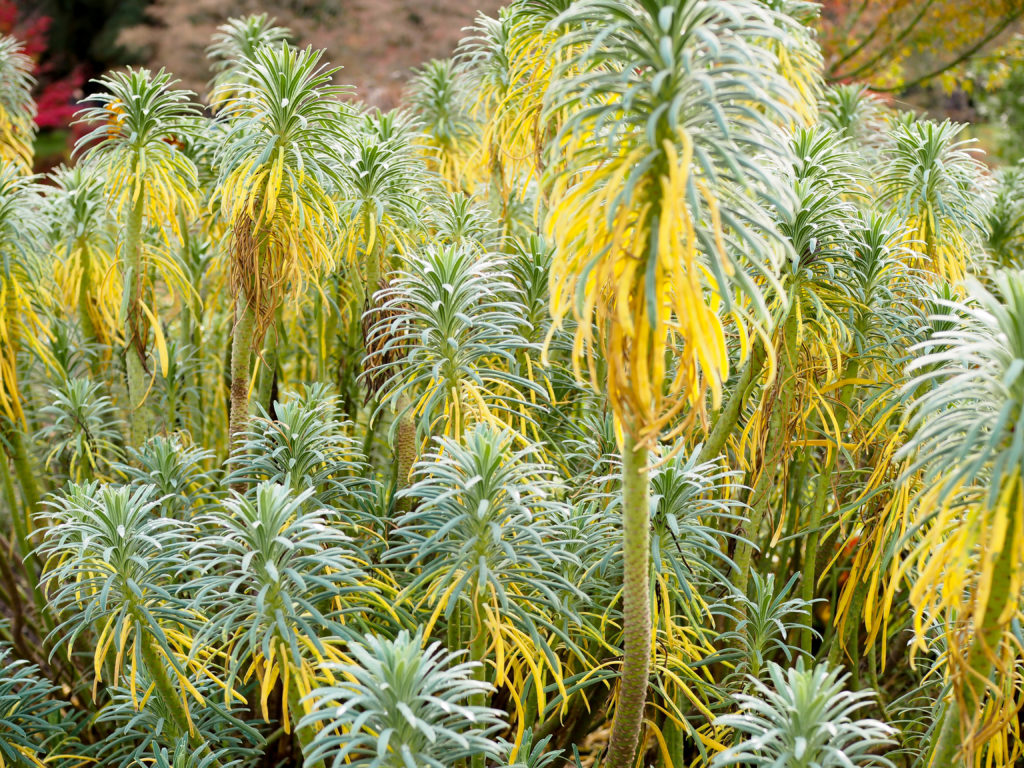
(376, 41)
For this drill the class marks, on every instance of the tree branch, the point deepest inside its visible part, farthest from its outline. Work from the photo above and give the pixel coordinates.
(996, 31)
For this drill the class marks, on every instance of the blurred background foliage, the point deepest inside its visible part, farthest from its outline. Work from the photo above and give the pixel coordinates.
(950, 58)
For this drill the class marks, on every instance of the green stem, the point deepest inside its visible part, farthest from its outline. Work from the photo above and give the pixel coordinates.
(320, 318)
(25, 473)
(168, 693)
(796, 487)
(821, 490)
(373, 419)
(675, 735)
(23, 522)
(21, 533)
(10, 498)
(179, 725)
(851, 634)
(829, 635)
(984, 646)
(811, 552)
(22, 519)
(241, 356)
(947, 740)
(371, 264)
(191, 383)
(478, 653)
(458, 408)
(135, 336)
(765, 484)
(265, 378)
(454, 630)
(334, 322)
(636, 608)
(730, 414)
(873, 679)
(185, 331)
(295, 711)
(85, 298)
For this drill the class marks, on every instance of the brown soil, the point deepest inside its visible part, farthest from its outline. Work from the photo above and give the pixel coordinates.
(376, 42)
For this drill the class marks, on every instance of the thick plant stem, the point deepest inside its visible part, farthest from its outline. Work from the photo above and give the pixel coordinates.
(21, 534)
(453, 632)
(798, 471)
(164, 686)
(459, 414)
(25, 473)
(11, 499)
(268, 368)
(405, 450)
(851, 633)
(727, 418)
(22, 520)
(241, 357)
(370, 434)
(478, 653)
(332, 335)
(636, 608)
(169, 695)
(135, 337)
(295, 711)
(186, 321)
(371, 261)
(873, 681)
(761, 493)
(320, 318)
(85, 283)
(811, 551)
(138, 423)
(821, 502)
(984, 646)
(675, 734)
(948, 738)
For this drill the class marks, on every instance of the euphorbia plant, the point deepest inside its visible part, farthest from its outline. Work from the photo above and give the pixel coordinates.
(276, 166)
(22, 328)
(650, 258)
(17, 109)
(140, 119)
(969, 421)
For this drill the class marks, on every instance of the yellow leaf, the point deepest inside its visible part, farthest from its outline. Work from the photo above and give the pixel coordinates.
(161, 342)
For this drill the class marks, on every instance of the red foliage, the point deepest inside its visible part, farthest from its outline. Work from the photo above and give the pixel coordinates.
(33, 32)
(55, 99)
